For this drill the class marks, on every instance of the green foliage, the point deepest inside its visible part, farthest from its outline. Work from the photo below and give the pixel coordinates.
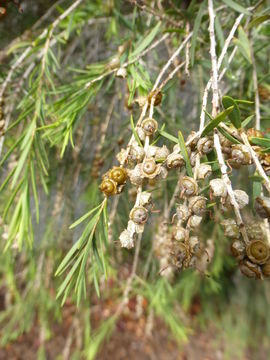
(84, 248)
(62, 135)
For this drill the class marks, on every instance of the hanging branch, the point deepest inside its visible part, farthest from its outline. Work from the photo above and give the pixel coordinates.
(215, 105)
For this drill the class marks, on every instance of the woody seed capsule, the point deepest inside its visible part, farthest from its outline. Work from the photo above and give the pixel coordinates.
(149, 126)
(205, 145)
(204, 171)
(139, 215)
(197, 205)
(175, 160)
(258, 251)
(241, 154)
(189, 186)
(108, 187)
(218, 188)
(118, 174)
(150, 169)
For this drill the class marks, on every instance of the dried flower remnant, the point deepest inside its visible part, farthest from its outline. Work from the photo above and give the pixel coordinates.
(149, 126)
(189, 186)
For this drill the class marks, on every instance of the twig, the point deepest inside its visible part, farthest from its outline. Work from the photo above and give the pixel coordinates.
(130, 278)
(217, 145)
(215, 97)
(227, 181)
(171, 59)
(29, 48)
(158, 15)
(219, 63)
(257, 163)
(127, 63)
(256, 91)
(163, 71)
(171, 75)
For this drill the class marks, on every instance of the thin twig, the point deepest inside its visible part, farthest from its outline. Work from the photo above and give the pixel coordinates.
(227, 181)
(215, 97)
(257, 163)
(127, 63)
(158, 15)
(171, 59)
(217, 145)
(130, 278)
(256, 91)
(21, 58)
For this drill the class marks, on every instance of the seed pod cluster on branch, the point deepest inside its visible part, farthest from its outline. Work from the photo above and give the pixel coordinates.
(253, 257)
(144, 164)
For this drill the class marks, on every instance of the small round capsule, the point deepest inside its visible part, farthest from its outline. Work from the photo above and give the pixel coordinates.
(149, 126)
(197, 204)
(150, 169)
(189, 186)
(175, 161)
(205, 145)
(139, 215)
(118, 174)
(108, 187)
(258, 251)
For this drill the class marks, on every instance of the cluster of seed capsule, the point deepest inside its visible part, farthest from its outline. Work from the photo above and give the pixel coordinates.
(113, 181)
(253, 257)
(186, 248)
(181, 248)
(138, 216)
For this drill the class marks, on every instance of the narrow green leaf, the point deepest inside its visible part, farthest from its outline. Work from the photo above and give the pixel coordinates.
(259, 141)
(69, 276)
(247, 121)
(257, 178)
(34, 188)
(104, 269)
(196, 28)
(96, 253)
(168, 136)
(221, 39)
(244, 102)
(174, 30)
(234, 115)
(85, 216)
(105, 224)
(77, 246)
(134, 131)
(228, 136)
(10, 151)
(258, 20)
(214, 123)
(145, 42)
(184, 152)
(65, 262)
(266, 151)
(5, 182)
(96, 284)
(123, 19)
(85, 252)
(243, 44)
(12, 197)
(235, 6)
(159, 135)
